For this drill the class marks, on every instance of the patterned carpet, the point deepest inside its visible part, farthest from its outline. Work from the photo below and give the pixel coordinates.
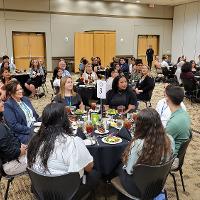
(20, 189)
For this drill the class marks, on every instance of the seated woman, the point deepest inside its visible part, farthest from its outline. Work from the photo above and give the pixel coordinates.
(186, 74)
(67, 96)
(145, 85)
(55, 151)
(5, 75)
(56, 82)
(19, 113)
(89, 75)
(150, 146)
(12, 152)
(36, 75)
(121, 94)
(193, 63)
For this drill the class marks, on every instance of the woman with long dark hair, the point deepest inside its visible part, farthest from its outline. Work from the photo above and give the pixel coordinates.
(150, 146)
(54, 150)
(121, 95)
(5, 75)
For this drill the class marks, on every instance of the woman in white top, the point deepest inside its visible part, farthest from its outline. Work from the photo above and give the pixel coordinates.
(89, 74)
(54, 150)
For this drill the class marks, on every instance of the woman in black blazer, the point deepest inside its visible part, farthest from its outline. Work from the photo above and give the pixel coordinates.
(145, 86)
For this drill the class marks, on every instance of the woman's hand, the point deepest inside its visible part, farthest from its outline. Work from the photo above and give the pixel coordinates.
(138, 91)
(23, 149)
(89, 167)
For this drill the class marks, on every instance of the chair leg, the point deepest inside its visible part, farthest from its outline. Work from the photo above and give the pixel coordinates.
(181, 174)
(165, 191)
(46, 87)
(8, 186)
(175, 185)
(146, 104)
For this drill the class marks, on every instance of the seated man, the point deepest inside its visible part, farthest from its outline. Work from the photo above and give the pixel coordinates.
(163, 109)
(61, 65)
(179, 123)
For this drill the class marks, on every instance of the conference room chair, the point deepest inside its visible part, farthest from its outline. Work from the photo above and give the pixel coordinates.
(9, 179)
(149, 181)
(180, 156)
(49, 187)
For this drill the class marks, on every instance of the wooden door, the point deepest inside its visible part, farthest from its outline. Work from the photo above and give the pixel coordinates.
(143, 43)
(21, 50)
(37, 45)
(110, 48)
(99, 46)
(27, 46)
(83, 47)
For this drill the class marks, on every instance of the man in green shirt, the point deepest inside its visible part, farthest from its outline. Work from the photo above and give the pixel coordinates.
(179, 123)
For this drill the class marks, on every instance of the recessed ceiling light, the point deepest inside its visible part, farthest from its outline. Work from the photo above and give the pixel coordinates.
(137, 1)
(122, 0)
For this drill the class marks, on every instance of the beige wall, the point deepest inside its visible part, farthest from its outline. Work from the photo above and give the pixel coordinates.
(68, 17)
(186, 31)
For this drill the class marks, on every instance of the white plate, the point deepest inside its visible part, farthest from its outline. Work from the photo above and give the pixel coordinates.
(74, 127)
(89, 142)
(37, 124)
(36, 129)
(97, 131)
(105, 141)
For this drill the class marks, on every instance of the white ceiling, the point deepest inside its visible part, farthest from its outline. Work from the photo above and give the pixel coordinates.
(157, 2)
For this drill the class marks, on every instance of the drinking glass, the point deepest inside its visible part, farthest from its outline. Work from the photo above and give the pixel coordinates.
(68, 109)
(135, 115)
(127, 124)
(86, 81)
(89, 128)
(93, 106)
(120, 109)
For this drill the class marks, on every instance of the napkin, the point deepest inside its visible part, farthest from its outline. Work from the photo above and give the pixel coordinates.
(124, 133)
(80, 134)
(89, 141)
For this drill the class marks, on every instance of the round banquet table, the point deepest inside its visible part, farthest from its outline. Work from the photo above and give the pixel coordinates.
(87, 93)
(107, 157)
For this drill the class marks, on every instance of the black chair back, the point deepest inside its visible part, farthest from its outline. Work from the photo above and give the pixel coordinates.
(189, 85)
(150, 180)
(48, 187)
(182, 152)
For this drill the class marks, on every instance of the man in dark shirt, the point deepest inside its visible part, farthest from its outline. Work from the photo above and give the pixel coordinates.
(150, 53)
(124, 66)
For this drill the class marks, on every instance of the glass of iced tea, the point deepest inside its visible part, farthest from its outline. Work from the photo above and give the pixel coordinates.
(89, 128)
(120, 109)
(93, 106)
(135, 116)
(68, 109)
(86, 81)
(127, 124)
(82, 79)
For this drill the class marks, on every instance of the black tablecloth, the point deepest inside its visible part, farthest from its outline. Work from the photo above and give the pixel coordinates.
(107, 157)
(87, 93)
